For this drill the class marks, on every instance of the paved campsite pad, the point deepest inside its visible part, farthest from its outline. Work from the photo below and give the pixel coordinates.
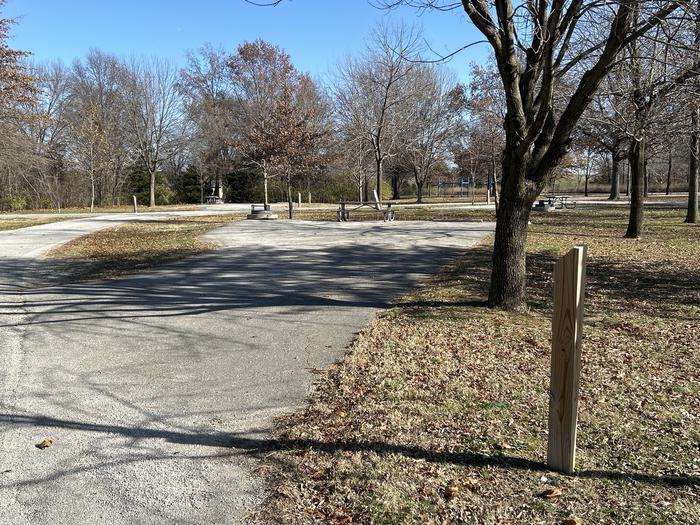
(156, 388)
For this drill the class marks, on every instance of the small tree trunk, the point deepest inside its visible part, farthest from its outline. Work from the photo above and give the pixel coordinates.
(585, 190)
(152, 193)
(289, 195)
(615, 178)
(395, 193)
(266, 202)
(495, 192)
(379, 179)
(668, 172)
(637, 176)
(365, 191)
(92, 195)
(692, 214)
(646, 183)
(419, 192)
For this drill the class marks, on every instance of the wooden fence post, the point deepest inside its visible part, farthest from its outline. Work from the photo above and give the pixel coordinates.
(567, 333)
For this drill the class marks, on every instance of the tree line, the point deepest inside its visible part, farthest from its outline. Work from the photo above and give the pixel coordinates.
(245, 121)
(569, 80)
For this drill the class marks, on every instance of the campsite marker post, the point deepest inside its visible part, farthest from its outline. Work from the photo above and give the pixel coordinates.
(567, 334)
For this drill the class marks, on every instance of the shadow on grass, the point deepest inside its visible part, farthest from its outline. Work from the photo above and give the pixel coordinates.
(647, 289)
(258, 446)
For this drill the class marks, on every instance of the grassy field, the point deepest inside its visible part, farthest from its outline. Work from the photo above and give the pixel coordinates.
(137, 246)
(21, 222)
(438, 413)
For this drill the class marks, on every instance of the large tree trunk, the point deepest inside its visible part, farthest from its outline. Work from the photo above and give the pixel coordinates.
(508, 276)
(692, 214)
(637, 177)
(615, 178)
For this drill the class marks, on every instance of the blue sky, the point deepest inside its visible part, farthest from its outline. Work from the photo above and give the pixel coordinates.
(316, 33)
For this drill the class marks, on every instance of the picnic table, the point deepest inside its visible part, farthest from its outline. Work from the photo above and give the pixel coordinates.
(558, 202)
(345, 207)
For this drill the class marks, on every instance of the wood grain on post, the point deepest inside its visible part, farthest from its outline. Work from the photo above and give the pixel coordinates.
(567, 333)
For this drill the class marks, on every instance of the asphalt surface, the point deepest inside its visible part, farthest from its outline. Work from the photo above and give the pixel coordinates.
(159, 389)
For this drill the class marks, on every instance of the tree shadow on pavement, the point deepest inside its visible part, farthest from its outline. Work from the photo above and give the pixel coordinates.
(230, 279)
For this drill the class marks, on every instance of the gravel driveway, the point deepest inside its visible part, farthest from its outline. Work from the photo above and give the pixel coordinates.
(159, 388)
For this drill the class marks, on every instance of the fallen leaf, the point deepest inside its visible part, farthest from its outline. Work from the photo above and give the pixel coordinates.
(470, 483)
(451, 491)
(550, 493)
(46, 443)
(572, 520)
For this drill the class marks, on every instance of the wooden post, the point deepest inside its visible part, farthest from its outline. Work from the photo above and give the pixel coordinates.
(299, 198)
(309, 197)
(136, 208)
(567, 334)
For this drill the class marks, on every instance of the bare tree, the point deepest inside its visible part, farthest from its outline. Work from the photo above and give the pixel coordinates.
(262, 76)
(47, 127)
(432, 121)
(205, 84)
(94, 113)
(370, 90)
(606, 122)
(693, 176)
(153, 114)
(551, 58)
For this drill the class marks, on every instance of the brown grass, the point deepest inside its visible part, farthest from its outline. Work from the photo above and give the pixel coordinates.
(425, 213)
(438, 414)
(22, 222)
(127, 208)
(136, 246)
